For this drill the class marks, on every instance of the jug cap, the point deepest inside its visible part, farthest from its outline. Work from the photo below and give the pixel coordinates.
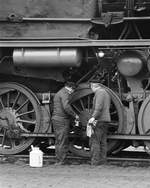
(34, 148)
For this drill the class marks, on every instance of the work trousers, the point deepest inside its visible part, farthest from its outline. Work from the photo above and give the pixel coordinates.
(98, 144)
(61, 130)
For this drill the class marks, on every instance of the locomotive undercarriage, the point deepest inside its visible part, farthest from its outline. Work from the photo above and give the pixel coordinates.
(26, 113)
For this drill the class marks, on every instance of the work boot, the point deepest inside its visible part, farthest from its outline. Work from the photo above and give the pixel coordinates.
(103, 162)
(59, 163)
(95, 163)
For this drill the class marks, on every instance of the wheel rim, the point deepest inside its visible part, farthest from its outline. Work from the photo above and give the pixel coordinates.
(81, 102)
(143, 119)
(19, 111)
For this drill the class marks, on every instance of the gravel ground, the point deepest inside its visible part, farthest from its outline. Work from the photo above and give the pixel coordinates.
(125, 175)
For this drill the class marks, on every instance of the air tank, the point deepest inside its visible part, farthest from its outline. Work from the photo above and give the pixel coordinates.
(131, 63)
(148, 63)
(0, 53)
(47, 57)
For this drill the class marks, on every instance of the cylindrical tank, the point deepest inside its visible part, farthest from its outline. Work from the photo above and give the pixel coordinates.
(0, 53)
(131, 63)
(148, 63)
(47, 57)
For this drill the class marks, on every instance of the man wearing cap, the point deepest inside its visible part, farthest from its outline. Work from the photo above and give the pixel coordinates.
(62, 112)
(100, 115)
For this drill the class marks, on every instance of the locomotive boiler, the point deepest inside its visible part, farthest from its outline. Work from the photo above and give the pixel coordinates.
(43, 44)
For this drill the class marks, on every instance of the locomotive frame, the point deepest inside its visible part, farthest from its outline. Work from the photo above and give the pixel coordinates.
(121, 64)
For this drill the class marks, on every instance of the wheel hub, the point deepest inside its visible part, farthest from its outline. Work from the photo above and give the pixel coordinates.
(8, 118)
(9, 122)
(84, 117)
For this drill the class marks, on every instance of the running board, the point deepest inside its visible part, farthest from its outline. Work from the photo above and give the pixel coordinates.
(112, 137)
(52, 42)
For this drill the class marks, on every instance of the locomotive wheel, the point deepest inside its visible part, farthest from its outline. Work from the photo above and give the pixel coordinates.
(81, 102)
(19, 112)
(143, 119)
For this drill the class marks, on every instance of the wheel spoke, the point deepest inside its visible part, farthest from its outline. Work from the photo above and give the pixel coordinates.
(22, 105)
(8, 99)
(3, 139)
(16, 99)
(26, 121)
(113, 124)
(25, 113)
(82, 105)
(1, 102)
(12, 143)
(112, 113)
(76, 108)
(88, 102)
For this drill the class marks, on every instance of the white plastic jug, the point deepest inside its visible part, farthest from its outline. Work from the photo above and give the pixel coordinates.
(36, 157)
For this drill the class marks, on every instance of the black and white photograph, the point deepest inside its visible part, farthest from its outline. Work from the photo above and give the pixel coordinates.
(75, 93)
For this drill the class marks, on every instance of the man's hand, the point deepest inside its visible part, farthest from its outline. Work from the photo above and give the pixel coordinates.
(91, 120)
(77, 118)
(76, 121)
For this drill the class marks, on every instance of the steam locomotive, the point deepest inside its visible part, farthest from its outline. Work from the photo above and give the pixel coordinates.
(43, 44)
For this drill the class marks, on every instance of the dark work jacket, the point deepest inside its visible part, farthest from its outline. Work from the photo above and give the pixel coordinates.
(62, 109)
(101, 105)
